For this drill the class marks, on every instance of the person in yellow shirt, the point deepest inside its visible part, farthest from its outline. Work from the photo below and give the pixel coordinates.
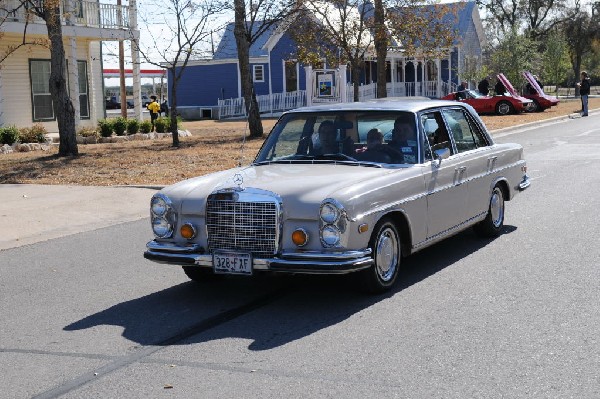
(154, 108)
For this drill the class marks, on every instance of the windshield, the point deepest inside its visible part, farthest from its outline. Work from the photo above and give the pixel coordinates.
(359, 136)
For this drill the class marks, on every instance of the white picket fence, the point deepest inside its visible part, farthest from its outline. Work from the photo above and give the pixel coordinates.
(267, 104)
(279, 102)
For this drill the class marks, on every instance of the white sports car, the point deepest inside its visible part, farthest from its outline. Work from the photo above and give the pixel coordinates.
(342, 188)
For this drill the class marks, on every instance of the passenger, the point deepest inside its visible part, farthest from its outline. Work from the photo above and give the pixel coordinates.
(376, 151)
(404, 138)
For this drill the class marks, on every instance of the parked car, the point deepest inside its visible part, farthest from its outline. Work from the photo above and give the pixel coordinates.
(323, 197)
(112, 104)
(533, 91)
(501, 105)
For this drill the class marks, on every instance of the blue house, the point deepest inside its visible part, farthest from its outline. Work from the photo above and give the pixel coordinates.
(212, 87)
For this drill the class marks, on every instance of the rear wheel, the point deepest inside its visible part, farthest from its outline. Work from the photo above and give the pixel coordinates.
(493, 223)
(386, 255)
(504, 108)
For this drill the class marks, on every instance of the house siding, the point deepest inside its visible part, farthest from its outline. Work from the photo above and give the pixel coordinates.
(284, 50)
(204, 85)
(15, 79)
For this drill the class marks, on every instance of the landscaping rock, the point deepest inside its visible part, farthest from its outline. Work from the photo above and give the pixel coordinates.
(6, 149)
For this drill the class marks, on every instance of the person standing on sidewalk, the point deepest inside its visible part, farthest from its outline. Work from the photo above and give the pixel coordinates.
(154, 108)
(584, 92)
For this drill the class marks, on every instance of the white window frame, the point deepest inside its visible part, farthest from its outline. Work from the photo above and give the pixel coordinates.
(255, 73)
(40, 87)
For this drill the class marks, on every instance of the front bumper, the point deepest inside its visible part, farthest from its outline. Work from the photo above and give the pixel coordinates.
(287, 262)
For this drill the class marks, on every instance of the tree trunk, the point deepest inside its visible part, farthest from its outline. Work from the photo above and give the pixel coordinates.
(63, 107)
(381, 43)
(173, 108)
(243, 50)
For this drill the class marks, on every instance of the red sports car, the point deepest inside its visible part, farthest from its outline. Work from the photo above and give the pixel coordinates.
(541, 101)
(502, 105)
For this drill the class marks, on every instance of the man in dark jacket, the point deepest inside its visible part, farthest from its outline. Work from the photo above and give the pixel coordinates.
(499, 88)
(484, 86)
(584, 92)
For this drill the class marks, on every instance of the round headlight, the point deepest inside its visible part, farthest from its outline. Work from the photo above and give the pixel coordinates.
(161, 227)
(158, 206)
(329, 213)
(330, 236)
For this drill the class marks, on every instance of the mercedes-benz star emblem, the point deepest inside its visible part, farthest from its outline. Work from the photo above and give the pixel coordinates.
(238, 179)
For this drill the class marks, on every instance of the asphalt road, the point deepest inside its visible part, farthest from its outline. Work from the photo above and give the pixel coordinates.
(85, 316)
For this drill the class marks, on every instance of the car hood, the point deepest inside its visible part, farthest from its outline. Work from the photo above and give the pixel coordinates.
(300, 186)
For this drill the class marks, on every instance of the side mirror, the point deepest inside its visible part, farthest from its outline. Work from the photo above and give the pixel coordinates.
(442, 153)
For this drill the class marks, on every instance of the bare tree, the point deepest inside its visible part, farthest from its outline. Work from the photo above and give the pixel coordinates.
(49, 11)
(254, 18)
(341, 27)
(180, 32)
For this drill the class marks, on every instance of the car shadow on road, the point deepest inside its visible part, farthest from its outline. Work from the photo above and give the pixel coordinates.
(269, 310)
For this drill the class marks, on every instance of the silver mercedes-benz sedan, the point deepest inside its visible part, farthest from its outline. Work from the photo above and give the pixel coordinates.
(342, 188)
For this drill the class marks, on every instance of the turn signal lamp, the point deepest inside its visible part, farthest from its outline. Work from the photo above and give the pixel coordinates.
(188, 231)
(300, 237)
(363, 228)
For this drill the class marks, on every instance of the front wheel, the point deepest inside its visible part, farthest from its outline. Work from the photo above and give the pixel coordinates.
(504, 108)
(200, 274)
(493, 223)
(386, 255)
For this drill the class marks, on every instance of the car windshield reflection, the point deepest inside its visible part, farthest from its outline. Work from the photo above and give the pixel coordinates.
(373, 137)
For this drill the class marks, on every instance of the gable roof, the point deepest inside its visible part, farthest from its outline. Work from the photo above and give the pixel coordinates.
(227, 48)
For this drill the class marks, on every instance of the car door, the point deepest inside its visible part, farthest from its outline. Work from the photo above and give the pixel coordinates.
(445, 179)
(474, 156)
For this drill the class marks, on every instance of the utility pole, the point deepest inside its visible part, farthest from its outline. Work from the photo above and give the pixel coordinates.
(123, 93)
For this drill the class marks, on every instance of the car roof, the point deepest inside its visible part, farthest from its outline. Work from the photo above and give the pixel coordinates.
(411, 104)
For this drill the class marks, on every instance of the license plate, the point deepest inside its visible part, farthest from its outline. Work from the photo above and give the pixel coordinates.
(232, 263)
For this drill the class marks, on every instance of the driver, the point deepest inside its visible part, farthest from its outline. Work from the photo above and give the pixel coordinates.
(404, 138)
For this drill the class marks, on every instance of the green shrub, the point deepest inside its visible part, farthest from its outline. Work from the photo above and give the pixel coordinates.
(133, 126)
(161, 125)
(34, 134)
(105, 127)
(88, 132)
(119, 125)
(145, 126)
(9, 135)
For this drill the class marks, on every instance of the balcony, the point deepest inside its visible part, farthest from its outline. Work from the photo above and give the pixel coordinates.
(73, 12)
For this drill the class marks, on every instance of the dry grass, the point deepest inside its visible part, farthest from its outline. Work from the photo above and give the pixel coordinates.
(213, 146)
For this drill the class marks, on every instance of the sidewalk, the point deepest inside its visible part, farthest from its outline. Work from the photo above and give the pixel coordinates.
(32, 213)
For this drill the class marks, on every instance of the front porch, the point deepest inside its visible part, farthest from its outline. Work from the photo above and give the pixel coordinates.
(270, 104)
(84, 13)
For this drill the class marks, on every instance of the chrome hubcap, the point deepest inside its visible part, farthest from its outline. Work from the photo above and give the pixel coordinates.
(497, 207)
(504, 109)
(386, 260)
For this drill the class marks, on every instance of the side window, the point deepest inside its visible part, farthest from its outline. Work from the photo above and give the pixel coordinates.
(465, 133)
(435, 130)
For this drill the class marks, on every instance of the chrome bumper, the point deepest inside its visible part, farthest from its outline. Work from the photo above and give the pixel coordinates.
(290, 262)
(524, 183)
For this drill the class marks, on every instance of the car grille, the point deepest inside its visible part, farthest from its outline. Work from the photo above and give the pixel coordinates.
(242, 226)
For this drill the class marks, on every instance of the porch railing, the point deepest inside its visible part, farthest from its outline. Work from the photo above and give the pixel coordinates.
(74, 12)
(268, 103)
